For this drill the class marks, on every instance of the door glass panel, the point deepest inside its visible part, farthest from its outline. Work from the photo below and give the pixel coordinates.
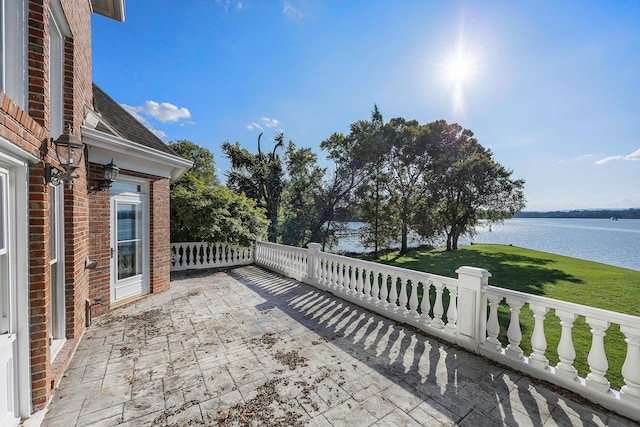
(129, 244)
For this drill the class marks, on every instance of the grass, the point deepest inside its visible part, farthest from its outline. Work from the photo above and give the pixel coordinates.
(553, 276)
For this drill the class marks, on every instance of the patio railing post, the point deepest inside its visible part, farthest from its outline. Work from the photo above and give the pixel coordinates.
(472, 307)
(312, 259)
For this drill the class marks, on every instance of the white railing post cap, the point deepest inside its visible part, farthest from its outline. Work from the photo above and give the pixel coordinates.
(473, 271)
(315, 247)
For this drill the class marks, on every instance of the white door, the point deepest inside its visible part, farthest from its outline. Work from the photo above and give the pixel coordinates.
(8, 344)
(129, 246)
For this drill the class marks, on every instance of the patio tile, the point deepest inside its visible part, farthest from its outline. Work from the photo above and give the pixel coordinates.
(219, 343)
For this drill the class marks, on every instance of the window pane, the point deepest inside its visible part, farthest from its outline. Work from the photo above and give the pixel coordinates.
(53, 222)
(125, 187)
(129, 259)
(129, 222)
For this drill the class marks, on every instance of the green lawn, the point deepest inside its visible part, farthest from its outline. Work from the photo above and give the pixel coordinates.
(552, 276)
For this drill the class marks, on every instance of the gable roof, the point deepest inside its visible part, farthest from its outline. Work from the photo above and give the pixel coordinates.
(117, 121)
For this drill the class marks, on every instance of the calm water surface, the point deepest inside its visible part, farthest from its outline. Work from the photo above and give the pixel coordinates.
(601, 240)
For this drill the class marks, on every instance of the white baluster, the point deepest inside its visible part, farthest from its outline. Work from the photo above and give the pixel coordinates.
(393, 293)
(413, 300)
(334, 275)
(438, 309)
(514, 333)
(566, 350)
(366, 282)
(357, 276)
(493, 326)
(403, 296)
(452, 310)
(384, 290)
(630, 392)
(339, 277)
(425, 304)
(538, 340)
(598, 364)
(375, 286)
(353, 282)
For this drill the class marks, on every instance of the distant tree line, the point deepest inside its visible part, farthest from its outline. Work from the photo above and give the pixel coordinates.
(399, 178)
(584, 213)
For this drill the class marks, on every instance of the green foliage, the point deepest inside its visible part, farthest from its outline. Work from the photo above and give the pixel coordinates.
(204, 211)
(203, 169)
(302, 195)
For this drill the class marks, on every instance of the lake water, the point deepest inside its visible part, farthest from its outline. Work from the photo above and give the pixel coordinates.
(601, 240)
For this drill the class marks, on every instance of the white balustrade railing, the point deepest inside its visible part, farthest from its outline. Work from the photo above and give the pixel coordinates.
(195, 255)
(594, 385)
(465, 311)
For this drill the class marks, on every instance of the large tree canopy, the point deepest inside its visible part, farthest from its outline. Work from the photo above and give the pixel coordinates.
(466, 183)
(204, 211)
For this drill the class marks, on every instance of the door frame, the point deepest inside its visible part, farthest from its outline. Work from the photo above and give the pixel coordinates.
(123, 192)
(58, 326)
(16, 161)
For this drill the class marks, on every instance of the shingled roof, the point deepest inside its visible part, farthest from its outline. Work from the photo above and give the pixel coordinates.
(123, 123)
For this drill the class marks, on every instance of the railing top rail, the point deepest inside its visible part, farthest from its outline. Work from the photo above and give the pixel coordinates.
(414, 275)
(582, 310)
(210, 243)
(284, 247)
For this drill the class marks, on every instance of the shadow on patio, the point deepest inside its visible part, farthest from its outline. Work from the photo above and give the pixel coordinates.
(249, 347)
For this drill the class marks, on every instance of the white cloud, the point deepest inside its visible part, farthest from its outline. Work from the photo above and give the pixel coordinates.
(163, 111)
(265, 122)
(608, 159)
(633, 156)
(254, 125)
(270, 123)
(291, 10)
(227, 4)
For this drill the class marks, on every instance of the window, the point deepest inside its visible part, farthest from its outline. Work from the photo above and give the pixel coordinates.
(5, 296)
(57, 25)
(13, 51)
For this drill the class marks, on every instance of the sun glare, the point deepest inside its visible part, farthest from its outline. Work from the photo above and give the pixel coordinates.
(459, 71)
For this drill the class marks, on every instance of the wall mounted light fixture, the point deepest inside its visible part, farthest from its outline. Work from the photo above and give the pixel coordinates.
(69, 151)
(109, 175)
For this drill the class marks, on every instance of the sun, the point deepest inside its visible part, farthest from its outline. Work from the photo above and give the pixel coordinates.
(459, 69)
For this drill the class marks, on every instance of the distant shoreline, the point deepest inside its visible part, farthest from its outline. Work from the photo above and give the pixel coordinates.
(633, 213)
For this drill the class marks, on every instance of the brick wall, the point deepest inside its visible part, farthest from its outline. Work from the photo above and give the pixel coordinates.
(76, 95)
(100, 237)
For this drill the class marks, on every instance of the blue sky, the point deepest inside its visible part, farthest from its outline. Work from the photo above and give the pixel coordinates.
(553, 88)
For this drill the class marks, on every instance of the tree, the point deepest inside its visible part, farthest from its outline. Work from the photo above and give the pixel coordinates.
(409, 161)
(372, 148)
(259, 176)
(302, 191)
(203, 210)
(466, 182)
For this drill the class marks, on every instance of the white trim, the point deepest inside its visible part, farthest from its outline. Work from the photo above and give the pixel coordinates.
(144, 278)
(19, 202)
(127, 155)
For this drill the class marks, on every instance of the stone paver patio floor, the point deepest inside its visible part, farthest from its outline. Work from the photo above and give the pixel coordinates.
(249, 347)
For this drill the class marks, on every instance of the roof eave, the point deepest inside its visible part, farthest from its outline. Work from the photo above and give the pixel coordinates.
(113, 9)
(136, 153)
